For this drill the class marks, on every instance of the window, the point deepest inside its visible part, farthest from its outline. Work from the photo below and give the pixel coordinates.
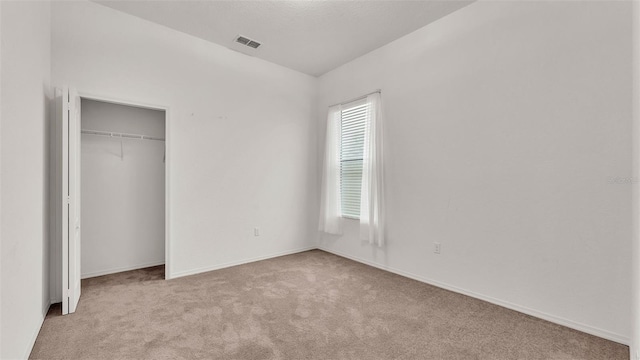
(352, 172)
(353, 119)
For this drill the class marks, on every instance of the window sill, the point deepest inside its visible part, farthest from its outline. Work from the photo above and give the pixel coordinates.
(350, 217)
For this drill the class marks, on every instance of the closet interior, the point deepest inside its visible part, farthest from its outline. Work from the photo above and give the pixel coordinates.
(123, 187)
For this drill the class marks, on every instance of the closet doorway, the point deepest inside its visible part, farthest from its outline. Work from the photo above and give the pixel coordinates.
(123, 172)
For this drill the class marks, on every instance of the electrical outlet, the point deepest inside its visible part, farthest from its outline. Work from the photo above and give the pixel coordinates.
(256, 231)
(436, 247)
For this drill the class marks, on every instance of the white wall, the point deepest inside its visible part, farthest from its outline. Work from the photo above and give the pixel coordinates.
(505, 122)
(25, 83)
(123, 192)
(238, 133)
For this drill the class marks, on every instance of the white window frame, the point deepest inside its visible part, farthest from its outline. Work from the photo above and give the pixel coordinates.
(353, 117)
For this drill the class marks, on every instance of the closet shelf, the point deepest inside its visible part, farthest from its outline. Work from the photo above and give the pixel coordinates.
(120, 135)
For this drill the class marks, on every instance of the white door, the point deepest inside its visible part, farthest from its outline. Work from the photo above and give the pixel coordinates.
(71, 199)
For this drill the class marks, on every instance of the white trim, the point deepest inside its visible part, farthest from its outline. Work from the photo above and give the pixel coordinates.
(634, 348)
(605, 334)
(167, 194)
(118, 101)
(55, 168)
(45, 310)
(240, 262)
(121, 269)
(1, 185)
(34, 337)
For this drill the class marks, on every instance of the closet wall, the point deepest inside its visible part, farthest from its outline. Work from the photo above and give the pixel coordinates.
(123, 189)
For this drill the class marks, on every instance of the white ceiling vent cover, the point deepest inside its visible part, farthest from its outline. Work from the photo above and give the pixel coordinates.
(247, 42)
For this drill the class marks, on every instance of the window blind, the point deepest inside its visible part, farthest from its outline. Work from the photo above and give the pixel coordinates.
(351, 149)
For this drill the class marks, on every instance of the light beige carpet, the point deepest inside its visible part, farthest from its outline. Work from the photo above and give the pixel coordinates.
(311, 305)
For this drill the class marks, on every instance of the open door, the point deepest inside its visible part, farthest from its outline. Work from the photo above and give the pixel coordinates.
(69, 112)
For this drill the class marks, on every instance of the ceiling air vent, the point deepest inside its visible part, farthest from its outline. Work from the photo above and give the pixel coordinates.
(247, 42)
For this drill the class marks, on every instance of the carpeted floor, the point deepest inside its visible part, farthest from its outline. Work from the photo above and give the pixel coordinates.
(311, 305)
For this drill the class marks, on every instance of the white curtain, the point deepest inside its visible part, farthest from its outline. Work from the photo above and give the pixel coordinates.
(330, 204)
(371, 203)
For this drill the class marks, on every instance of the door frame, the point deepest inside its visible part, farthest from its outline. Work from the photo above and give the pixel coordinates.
(167, 163)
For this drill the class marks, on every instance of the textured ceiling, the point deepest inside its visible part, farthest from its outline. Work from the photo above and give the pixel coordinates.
(309, 36)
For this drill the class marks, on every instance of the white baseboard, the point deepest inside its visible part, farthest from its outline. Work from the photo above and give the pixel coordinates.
(121, 269)
(605, 334)
(34, 337)
(45, 310)
(239, 262)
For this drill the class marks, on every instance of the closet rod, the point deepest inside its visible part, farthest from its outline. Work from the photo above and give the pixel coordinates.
(120, 135)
